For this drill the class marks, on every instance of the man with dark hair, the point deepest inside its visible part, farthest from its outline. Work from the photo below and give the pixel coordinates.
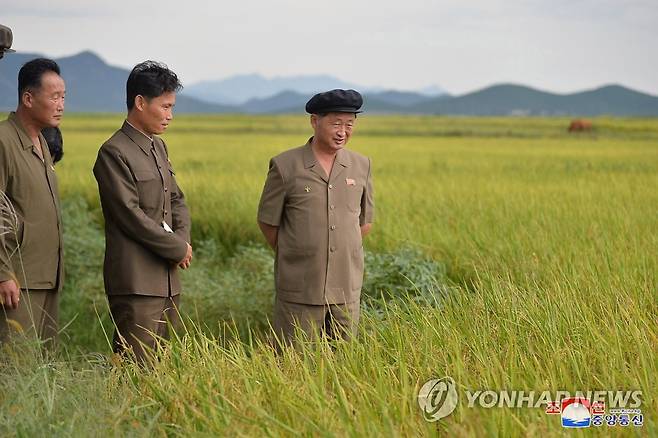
(6, 39)
(316, 206)
(147, 224)
(31, 265)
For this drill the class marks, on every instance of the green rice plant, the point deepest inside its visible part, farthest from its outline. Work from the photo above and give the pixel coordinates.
(505, 253)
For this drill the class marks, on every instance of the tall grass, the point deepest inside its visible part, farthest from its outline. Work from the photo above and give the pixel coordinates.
(533, 254)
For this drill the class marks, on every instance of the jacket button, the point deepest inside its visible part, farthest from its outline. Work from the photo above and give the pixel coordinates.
(165, 189)
(333, 227)
(331, 186)
(332, 249)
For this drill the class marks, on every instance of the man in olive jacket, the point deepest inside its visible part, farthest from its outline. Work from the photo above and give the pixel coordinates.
(147, 224)
(31, 252)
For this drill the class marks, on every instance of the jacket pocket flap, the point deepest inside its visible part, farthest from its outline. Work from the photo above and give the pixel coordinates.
(144, 175)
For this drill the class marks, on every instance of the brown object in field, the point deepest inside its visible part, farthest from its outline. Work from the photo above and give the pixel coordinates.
(580, 125)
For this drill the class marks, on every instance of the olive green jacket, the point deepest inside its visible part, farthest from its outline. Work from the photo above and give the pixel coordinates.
(31, 250)
(138, 191)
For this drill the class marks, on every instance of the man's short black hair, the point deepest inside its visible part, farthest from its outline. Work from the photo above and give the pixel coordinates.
(30, 74)
(150, 79)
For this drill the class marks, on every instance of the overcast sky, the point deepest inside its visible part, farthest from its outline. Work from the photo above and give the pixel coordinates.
(555, 45)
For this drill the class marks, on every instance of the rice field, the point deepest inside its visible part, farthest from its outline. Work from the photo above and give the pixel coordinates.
(506, 254)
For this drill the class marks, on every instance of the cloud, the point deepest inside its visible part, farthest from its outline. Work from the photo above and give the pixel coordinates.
(56, 10)
(556, 45)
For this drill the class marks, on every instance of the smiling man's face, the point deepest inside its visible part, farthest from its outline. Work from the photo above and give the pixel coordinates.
(333, 130)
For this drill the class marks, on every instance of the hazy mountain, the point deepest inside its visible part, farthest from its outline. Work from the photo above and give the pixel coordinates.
(94, 86)
(404, 98)
(616, 100)
(241, 89)
(381, 103)
(283, 102)
(509, 99)
(433, 91)
(91, 85)
(294, 102)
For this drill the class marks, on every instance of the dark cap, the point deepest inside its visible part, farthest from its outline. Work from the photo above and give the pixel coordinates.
(335, 101)
(6, 38)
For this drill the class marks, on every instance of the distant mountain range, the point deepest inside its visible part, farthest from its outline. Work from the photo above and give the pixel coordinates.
(95, 86)
(240, 89)
(91, 85)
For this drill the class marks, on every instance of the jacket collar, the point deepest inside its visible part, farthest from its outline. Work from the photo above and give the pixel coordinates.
(137, 136)
(25, 139)
(342, 156)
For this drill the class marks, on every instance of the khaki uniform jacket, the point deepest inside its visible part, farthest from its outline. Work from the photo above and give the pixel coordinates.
(319, 254)
(31, 186)
(138, 191)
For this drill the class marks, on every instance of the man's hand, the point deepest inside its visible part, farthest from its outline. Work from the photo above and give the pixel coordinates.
(10, 295)
(270, 232)
(185, 263)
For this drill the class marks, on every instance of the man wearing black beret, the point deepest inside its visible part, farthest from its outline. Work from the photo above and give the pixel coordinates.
(6, 39)
(316, 206)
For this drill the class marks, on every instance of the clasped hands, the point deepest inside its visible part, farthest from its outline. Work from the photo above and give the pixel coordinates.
(187, 260)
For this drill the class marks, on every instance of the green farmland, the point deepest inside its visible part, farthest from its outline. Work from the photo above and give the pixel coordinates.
(505, 253)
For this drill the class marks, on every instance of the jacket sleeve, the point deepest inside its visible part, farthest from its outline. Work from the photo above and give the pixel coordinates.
(6, 270)
(368, 200)
(273, 198)
(120, 200)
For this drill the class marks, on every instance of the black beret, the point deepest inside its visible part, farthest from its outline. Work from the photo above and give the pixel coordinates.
(6, 38)
(335, 101)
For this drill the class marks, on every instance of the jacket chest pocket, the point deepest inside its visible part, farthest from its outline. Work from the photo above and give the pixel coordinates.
(353, 194)
(149, 187)
(307, 196)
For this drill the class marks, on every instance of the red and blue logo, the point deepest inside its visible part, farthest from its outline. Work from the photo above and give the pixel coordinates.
(575, 412)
